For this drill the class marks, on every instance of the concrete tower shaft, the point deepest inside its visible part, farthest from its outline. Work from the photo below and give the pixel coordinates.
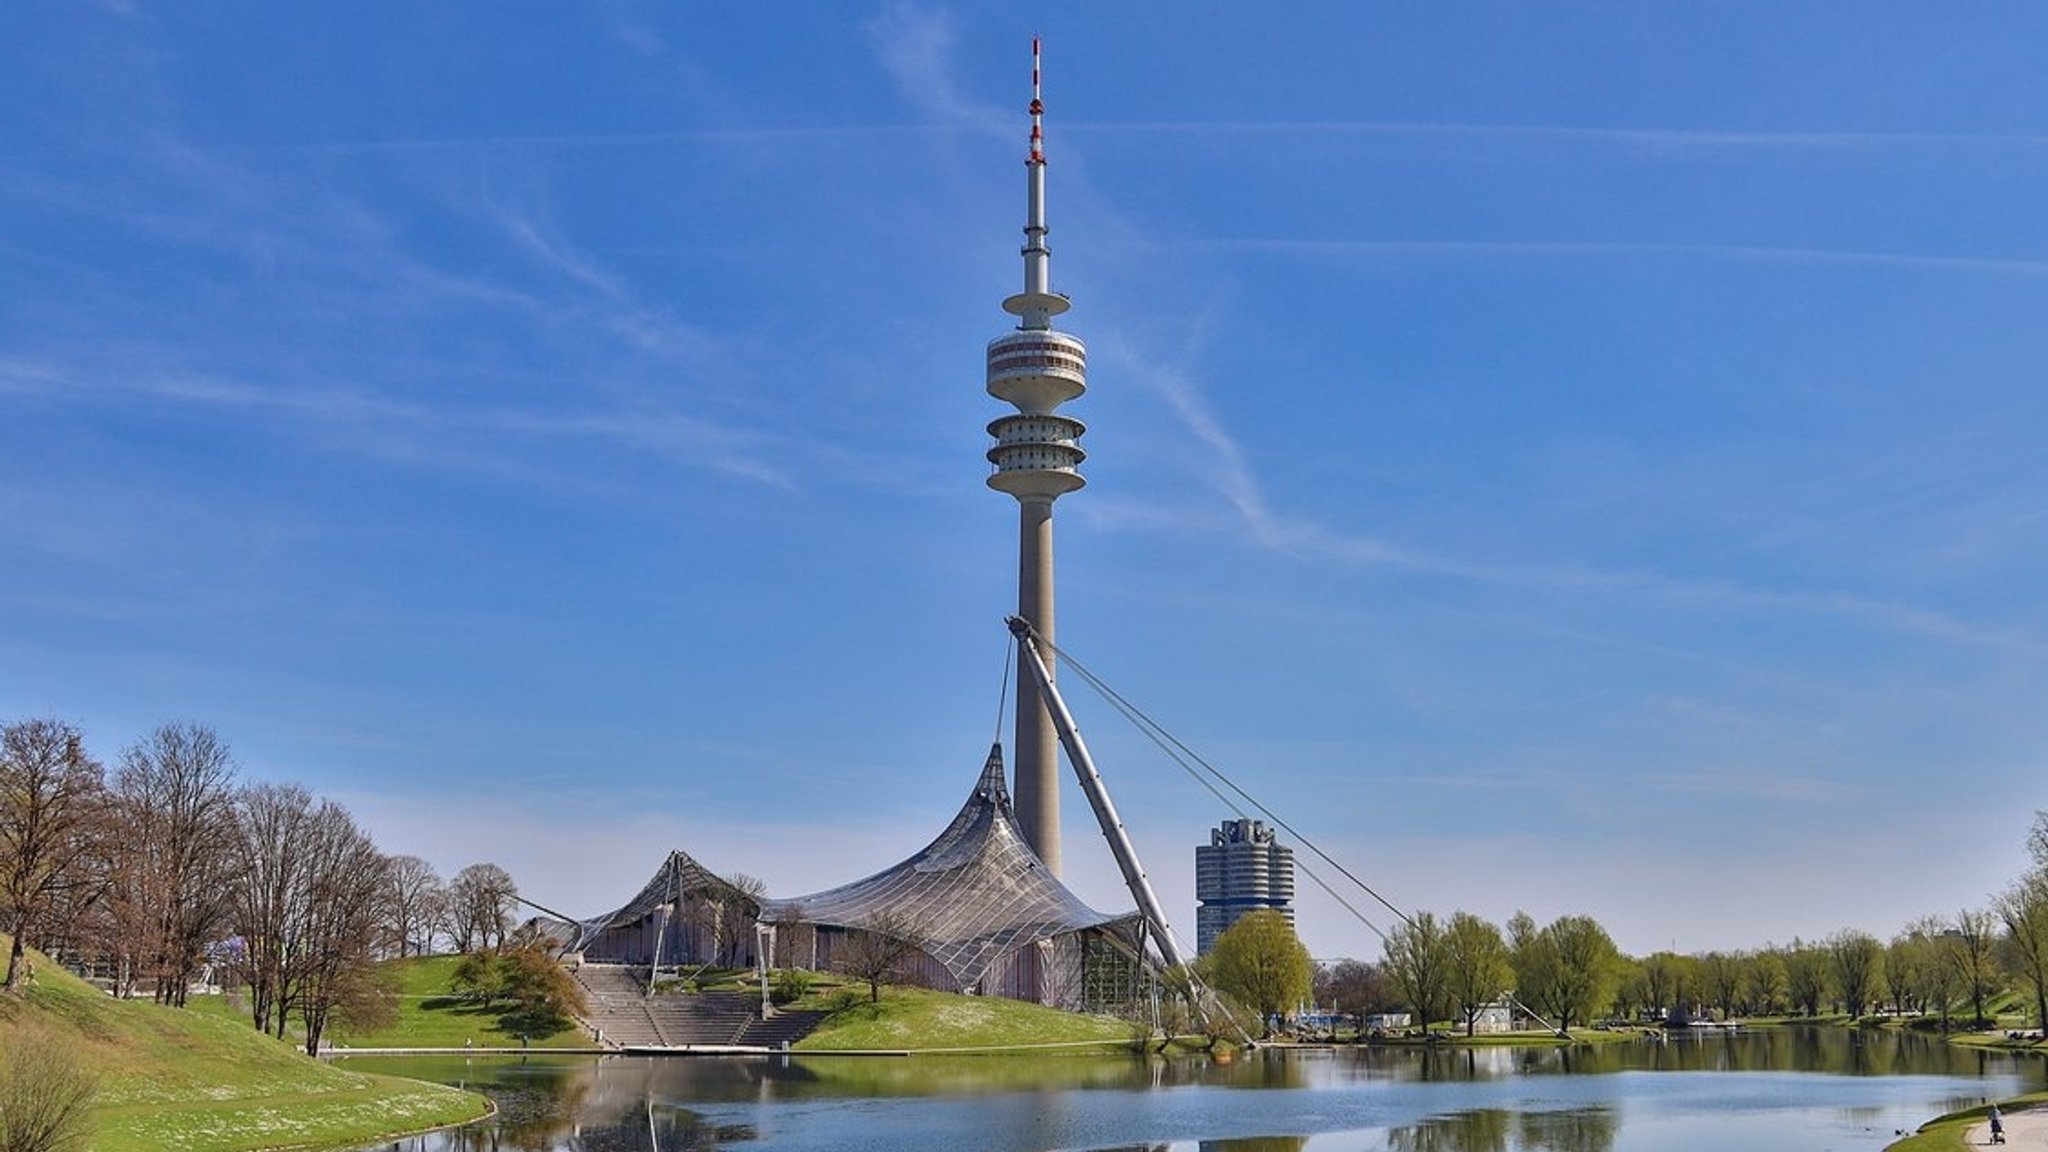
(1037, 458)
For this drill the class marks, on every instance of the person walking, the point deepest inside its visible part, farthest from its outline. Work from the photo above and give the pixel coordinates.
(1997, 1126)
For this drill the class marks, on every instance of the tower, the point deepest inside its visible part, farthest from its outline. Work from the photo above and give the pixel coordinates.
(1241, 869)
(1036, 457)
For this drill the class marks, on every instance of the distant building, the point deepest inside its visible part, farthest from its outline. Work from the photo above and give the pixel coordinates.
(1240, 870)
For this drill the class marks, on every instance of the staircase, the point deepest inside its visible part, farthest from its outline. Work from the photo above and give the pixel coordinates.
(624, 1016)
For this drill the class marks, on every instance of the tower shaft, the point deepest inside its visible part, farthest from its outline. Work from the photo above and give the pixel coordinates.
(1037, 457)
(1037, 793)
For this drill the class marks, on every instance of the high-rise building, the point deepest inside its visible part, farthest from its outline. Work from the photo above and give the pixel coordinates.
(1241, 869)
(1037, 460)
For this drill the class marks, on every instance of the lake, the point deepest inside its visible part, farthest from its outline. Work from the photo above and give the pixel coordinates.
(1786, 1089)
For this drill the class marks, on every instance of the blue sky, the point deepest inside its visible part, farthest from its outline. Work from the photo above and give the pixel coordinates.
(1579, 458)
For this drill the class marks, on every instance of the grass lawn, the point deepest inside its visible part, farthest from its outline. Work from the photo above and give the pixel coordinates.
(916, 1019)
(175, 1080)
(430, 1015)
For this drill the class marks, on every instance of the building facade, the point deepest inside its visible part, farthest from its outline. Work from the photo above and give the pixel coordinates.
(1241, 869)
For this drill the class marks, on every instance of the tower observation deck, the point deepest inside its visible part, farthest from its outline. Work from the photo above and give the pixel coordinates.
(1037, 456)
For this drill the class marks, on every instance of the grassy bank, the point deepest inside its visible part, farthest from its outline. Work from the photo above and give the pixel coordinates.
(179, 1081)
(1946, 1133)
(915, 1019)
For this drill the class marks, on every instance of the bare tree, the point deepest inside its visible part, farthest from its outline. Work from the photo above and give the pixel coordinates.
(347, 879)
(271, 891)
(1355, 988)
(480, 902)
(175, 798)
(875, 951)
(408, 909)
(53, 809)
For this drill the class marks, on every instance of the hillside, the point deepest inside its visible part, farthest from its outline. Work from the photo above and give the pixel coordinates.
(176, 1081)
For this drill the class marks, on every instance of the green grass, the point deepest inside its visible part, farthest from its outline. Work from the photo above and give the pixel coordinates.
(431, 1015)
(173, 1080)
(916, 1019)
(1946, 1133)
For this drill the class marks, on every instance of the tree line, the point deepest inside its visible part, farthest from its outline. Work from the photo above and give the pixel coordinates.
(1945, 968)
(169, 869)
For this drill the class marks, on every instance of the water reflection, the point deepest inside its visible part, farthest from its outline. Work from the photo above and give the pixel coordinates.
(1610, 1098)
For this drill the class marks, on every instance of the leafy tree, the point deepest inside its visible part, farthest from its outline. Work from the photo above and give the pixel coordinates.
(1568, 970)
(1721, 981)
(2024, 910)
(1476, 965)
(1973, 941)
(1764, 987)
(1260, 962)
(1667, 982)
(1920, 970)
(1857, 963)
(53, 832)
(1418, 963)
(1808, 978)
(537, 994)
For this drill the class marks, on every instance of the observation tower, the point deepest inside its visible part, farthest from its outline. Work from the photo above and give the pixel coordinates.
(1037, 459)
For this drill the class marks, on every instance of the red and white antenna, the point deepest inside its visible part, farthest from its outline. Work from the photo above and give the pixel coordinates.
(1037, 111)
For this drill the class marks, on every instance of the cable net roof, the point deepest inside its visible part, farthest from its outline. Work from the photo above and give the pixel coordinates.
(969, 898)
(678, 876)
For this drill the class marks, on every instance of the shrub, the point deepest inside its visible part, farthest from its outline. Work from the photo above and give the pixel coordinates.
(789, 986)
(45, 1093)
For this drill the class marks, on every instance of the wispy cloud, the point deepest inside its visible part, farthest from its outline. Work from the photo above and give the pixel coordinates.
(916, 49)
(1655, 138)
(1754, 253)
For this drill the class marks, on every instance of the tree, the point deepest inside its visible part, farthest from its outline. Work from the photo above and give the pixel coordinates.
(1918, 966)
(1417, 963)
(1260, 962)
(1568, 970)
(1857, 962)
(539, 995)
(1475, 965)
(1807, 977)
(1667, 980)
(480, 901)
(2024, 910)
(53, 813)
(272, 889)
(1355, 988)
(1764, 981)
(1972, 949)
(1721, 981)
(409, 911)
(346, 878)
(175, 800)
(876, 951)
